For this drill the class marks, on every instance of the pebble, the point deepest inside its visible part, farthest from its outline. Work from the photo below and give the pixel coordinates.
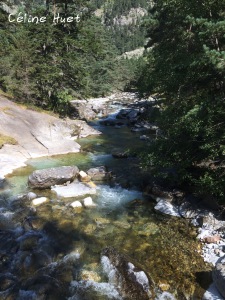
(76, 204)
(39, 201)
(88, 202)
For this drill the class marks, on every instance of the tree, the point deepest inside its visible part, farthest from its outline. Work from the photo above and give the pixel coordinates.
(186, 68)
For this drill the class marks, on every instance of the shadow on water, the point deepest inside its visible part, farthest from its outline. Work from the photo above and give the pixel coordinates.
(204, 279)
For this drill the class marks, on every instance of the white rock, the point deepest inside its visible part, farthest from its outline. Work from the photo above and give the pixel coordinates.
(31, 196)
(39, 201)
(88, 202)
(83, 174)
(76, 204)
(166, 208)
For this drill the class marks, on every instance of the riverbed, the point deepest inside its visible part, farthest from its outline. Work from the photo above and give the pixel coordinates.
(54, 252)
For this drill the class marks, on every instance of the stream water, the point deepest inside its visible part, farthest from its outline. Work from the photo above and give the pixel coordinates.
(54, 252)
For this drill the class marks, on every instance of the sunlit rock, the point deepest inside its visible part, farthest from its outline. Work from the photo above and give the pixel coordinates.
(99, 173)
(75, 189)
(167, 208)
(90, 275)
(39, 201)
(76, 204)
(84, 177)
(88, 202)
(43, 179)
(89, 229)
(164, 286)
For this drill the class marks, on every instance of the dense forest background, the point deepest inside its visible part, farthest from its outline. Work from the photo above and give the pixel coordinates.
(184, 68)
(49, 64)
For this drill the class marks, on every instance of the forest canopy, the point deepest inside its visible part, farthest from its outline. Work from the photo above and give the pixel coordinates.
(186, 68)
(49, 64)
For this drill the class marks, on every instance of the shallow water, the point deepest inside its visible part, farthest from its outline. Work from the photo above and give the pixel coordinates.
(64, 245)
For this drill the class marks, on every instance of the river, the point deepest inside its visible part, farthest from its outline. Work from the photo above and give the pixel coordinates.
(54, 252)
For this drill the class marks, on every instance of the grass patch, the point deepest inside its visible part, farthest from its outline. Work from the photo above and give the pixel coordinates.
(7, 95)
(4, 139)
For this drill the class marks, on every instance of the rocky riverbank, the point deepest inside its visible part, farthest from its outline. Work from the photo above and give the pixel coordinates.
(37, 134)
(71, 193)
(210, 231)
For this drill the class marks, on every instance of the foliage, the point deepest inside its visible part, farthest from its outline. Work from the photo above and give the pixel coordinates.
(186, 68)
(48, 64)
(127, 34)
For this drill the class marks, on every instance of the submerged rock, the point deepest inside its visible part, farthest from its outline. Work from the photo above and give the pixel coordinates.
(7, 281)
(120, 153)
(90, 276)
(99, 173)
(43, 179)
(131, 281)
(148, 229)
(75, 189)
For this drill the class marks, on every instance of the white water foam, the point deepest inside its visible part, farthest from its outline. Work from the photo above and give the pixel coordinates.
(102, 288)
(116, 196)
(165, 296)
(100, 159)
(109, 270)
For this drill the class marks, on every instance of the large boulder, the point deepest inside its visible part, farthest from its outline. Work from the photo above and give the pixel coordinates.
(43, 179)
(83, 109)
(99, 173)
(219, 275)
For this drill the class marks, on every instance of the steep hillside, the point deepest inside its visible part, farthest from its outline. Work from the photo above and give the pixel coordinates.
(123, 20)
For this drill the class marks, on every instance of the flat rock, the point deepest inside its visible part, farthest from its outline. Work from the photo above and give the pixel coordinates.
(43, 179)
(75, 189)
